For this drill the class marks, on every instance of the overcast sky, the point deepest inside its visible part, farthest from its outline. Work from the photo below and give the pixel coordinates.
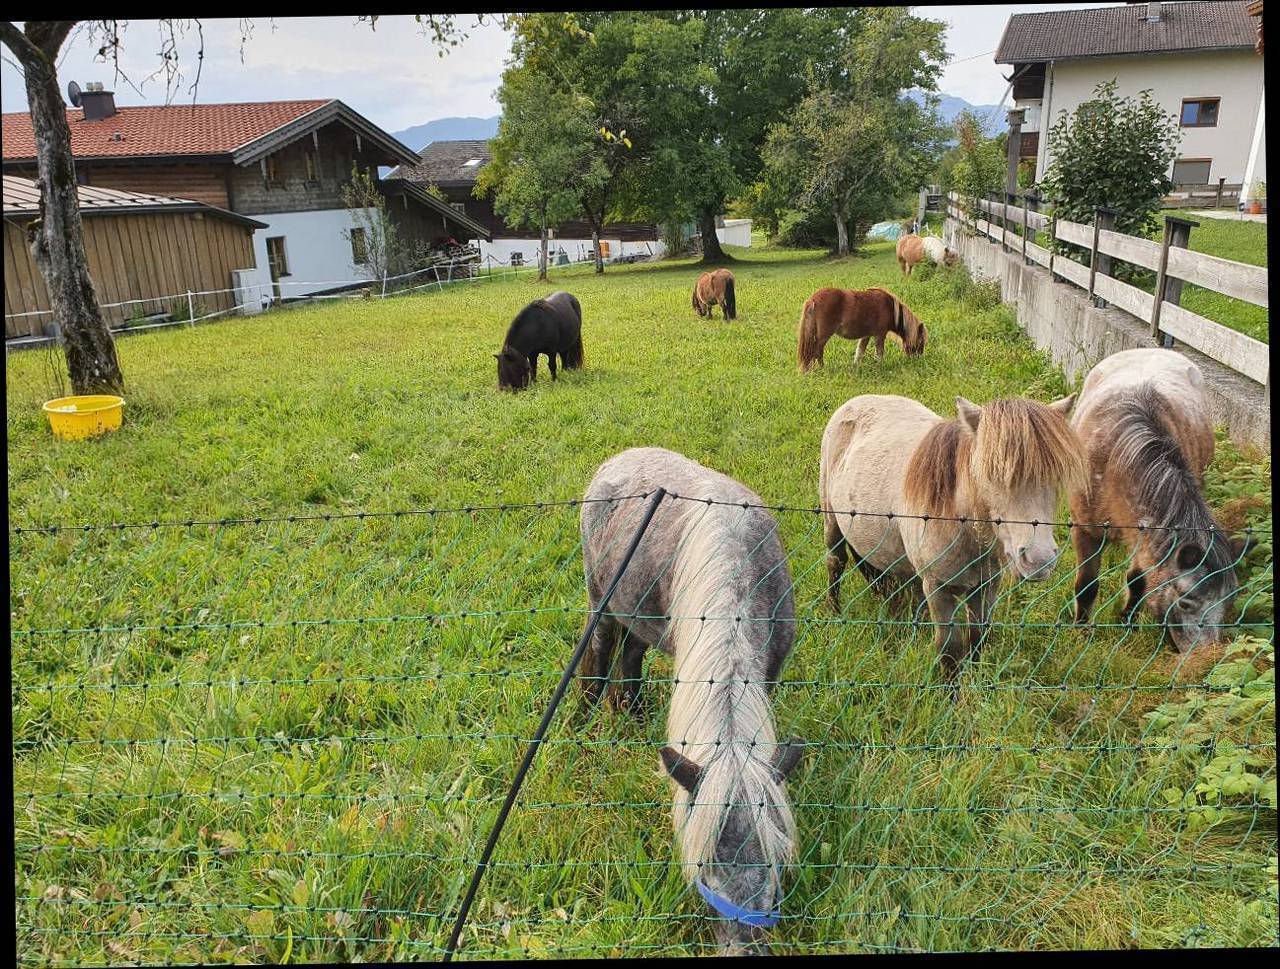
(394, 77)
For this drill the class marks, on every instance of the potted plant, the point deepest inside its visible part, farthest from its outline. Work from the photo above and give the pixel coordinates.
(1257, 197)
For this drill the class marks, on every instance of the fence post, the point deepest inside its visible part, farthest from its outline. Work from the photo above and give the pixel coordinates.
(534, 744)
(191, 308)
(384, 284)
(1217, 203)
(1026, 224)
(1103, 218)
(1177, 232)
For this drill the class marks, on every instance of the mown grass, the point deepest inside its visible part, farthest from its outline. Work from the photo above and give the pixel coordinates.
(287, 740)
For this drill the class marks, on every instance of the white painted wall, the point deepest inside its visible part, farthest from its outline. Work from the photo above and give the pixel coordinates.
(316, 252)
(736, 232)
(578, 250)
(1234, 76)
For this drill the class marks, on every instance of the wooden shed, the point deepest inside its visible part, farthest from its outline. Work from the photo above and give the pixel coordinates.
(140, 247)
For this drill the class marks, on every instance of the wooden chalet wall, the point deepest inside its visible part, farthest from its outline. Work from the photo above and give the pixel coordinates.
(141, 256)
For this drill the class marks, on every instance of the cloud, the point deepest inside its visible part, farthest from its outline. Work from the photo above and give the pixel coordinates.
(391, 74)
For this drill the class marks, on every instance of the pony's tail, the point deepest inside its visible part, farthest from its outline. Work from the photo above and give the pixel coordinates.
(697, 308)
(730, 307)
(807, 338)
(575, 356)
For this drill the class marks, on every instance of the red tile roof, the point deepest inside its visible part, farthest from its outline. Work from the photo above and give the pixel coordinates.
(161, 130)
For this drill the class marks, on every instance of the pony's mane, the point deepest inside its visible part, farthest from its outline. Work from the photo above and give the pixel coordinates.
(931, 476)
(1167, 492)
(537, 307)
(720, 714)
(1019, 444)
(1023, 444)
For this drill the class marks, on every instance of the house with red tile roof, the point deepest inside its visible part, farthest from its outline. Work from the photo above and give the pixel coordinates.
(284, 163)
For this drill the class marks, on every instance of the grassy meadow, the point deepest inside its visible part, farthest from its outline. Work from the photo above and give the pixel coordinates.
(284, 738)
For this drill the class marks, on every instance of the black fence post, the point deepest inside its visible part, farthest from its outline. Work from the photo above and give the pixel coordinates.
(536, 743)
(1177, 233)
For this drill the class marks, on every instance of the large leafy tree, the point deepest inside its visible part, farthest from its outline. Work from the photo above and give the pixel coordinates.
(546, 156)
(696, 92)
(978, 165)
(57, 236)
(1112, 152)
(855, 144)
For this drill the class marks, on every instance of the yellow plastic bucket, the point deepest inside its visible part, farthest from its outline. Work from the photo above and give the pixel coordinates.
(75, 418)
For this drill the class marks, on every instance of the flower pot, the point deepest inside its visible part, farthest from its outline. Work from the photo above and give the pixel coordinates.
(1255, 207)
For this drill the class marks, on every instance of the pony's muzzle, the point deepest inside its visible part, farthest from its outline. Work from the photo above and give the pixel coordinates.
(1035, 563)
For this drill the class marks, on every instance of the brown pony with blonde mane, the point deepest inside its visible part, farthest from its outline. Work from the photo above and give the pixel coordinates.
(855, 314)
(715, 289)
(937, 501)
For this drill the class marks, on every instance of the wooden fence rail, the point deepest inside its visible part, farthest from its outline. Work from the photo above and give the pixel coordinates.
(1170, 259)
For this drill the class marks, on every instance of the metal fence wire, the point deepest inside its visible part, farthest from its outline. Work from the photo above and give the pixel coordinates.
(289, 738)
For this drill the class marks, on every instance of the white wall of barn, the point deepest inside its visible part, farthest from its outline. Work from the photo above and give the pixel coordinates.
(1235, 77)
(317, 254)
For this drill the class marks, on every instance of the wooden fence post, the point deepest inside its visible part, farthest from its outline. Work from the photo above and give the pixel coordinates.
(1217, 203)
(1177, 232)
(1026, 225)
(1103, 218)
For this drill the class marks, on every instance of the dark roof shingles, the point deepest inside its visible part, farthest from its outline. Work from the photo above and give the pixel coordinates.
(1107, 31)
(445, 163)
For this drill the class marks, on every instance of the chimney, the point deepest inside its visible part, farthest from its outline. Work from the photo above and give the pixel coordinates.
(1153, 13)
(97, 103)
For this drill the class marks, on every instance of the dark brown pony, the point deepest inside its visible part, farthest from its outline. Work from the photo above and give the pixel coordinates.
(715, 289)
(855, 314)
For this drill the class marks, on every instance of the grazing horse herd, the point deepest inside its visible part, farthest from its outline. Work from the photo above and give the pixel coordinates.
(933, 511)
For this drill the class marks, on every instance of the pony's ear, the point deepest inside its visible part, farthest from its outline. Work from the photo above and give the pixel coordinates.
(786, 757)
(1189, 556)
(1064, 405)
(686, 772)
(1241, 546)
(969, 412)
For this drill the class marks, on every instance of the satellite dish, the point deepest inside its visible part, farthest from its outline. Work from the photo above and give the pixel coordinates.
(73, 94)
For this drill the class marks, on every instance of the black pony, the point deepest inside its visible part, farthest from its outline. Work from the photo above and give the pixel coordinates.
(552, 325)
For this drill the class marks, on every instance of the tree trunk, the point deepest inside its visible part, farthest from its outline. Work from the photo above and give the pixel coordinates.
(711, 251)
(842, 232)
(542, 256)
(595, 247)
(57, 238)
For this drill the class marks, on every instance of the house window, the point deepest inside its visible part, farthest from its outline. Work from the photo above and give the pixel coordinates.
(460, 207)
(472, 163)
(1192, 171)
(276, 261)
(359, 250)
(313, 165)
(1201, 113)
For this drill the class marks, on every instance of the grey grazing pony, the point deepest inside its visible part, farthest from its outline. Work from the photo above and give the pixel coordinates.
(708, 585)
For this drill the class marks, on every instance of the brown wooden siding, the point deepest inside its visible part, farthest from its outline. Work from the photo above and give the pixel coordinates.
(292, 191)
(200, 183)
(1029, 147)
(482, 211)
(144, 256)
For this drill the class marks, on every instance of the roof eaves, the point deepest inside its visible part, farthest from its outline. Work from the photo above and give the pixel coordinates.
(419, 194)
(293, 130)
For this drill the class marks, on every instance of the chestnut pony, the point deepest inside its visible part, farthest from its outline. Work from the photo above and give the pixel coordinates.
(715, 289)
(913, 249)
(856, 314)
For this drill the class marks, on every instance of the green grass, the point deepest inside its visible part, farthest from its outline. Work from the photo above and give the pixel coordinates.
(314, 781)
(1241, 241)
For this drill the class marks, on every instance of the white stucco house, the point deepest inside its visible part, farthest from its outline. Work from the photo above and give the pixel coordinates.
(1201, 60)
